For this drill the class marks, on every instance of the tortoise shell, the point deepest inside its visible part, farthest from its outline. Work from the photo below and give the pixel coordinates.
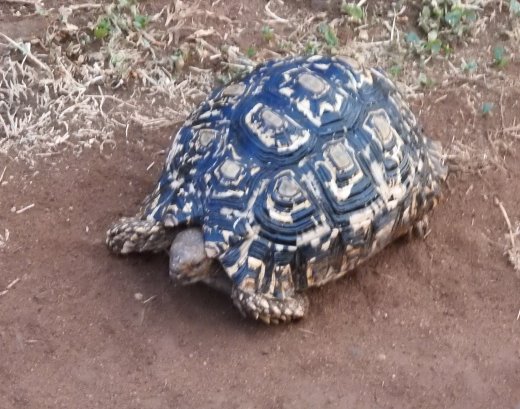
(296, 173)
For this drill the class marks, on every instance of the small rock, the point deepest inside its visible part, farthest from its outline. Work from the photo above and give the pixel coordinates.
(363, 35)
(138, 296)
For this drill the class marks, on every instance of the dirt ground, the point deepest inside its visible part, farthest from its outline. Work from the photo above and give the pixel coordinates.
(425, 324)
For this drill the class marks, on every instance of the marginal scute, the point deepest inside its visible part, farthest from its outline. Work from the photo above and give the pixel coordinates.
(234, 90)
(349, 61)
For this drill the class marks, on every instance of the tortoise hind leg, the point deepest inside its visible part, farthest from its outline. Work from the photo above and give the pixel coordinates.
(421, 228)
(131, 235)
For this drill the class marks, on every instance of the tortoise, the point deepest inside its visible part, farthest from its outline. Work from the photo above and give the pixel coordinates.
(286, 179)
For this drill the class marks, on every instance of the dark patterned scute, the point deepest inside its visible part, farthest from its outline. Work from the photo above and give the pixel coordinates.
(306, 165)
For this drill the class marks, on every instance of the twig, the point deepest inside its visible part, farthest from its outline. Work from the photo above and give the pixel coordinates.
(27, 53)
(12, 283)
(9, 286)
(513, 252)
(23, 2)
(276, 18)
(23, 209)
(511, 129)
(149, 299)
(3, 173)
(84, 6)
(508, 222)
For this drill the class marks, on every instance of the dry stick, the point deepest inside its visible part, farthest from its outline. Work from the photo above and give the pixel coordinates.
(3, 173)
(513, 252)
(512, 128)
(23, 2)
(276, 18)
(84, 6)
(28, 53)
(502, 108)
(12, 283)
(24, 209)
(508, 222)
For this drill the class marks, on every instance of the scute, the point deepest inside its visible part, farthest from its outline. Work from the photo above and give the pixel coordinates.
(339, 155)
(312, 83)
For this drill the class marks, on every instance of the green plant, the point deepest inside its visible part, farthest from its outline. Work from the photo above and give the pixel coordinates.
(102, 28)
(514, 8)
(469, 66)
(311, 48)
(329, 35)
(251, 51)
(444, 22)
(432, 45)
(395, 70)
(499, 57)
(141, 21)
(355, 12)
(487, 107)
(267, 33)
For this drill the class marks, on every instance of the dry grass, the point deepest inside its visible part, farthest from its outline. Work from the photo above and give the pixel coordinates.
(513, 248)
(79, 92)
(76, 92)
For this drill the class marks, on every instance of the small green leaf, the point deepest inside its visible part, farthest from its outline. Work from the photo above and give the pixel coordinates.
(499, 58)
(102, 28)
(434, 46)
(251, 52)
(329, 35)
(470, 66)
(514, 7)
(447, 49)
(267, 33)
(487, 107)
(311, 48)
(141, 21)
(412, 38)
(470, 15)
(353, 10)
(395, 70)
(454, 17)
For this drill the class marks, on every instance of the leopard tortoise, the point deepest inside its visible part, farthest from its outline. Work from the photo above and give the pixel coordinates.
(286, 179)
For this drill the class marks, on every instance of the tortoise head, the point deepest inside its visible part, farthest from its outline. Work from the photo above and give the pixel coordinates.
(188, 260)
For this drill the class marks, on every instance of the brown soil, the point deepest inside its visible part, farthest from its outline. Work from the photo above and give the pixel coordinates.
(425, 324)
